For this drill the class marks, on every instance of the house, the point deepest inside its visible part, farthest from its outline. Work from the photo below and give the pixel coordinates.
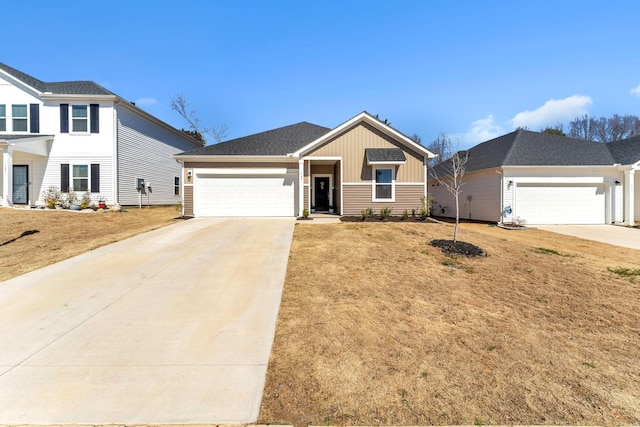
(547, 179)
(362, 163)
(79, 135)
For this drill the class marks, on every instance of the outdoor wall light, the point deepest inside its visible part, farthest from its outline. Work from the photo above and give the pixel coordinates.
(510, 183)
(617, 182)
(189, 174)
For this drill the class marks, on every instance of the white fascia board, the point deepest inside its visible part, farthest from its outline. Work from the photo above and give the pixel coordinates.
(75, 98)
(231, 159)
(200, 172)
(559, 180)
(558, 167)
(366, 117)
(15, 79)
(385, 163)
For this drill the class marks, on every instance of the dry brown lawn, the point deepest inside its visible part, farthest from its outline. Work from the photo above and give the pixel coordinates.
(63, 234)
(377, 327)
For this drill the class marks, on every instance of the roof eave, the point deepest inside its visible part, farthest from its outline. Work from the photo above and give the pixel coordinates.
(230, 158)
(76, 97)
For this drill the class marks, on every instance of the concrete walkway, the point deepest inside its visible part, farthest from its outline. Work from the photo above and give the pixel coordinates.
(612, 234)
(172, 326)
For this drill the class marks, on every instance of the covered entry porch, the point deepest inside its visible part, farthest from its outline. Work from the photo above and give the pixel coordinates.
(321, 187)
(23, 162)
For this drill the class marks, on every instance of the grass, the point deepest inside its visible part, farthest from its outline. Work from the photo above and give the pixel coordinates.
(374, 329)
(32, 239)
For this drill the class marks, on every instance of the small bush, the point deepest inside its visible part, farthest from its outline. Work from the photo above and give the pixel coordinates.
(51, 197)
(385, 212)
(85, 200)
(366, 213)
(405, 215)
(305, 213)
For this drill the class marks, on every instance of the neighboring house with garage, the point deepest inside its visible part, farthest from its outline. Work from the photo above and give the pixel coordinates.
(362, 163)
(79, 135)
(546, 179)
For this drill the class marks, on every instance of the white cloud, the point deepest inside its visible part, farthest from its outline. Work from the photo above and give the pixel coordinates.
(552, 112)
(636, 91)
(146, 101)
(480, 131)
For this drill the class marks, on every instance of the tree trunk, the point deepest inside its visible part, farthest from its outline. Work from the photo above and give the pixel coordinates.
(455, 230)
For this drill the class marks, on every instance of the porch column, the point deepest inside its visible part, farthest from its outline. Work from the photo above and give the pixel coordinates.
(300, 186)
(7, 175)
(629, 176)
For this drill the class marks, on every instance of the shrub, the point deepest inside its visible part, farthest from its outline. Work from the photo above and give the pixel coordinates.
(305, 213)
(405, 215)
(385, 212)
(85, 200)
(51, 197)
(71, 199)
(426, 204)
(366, 213)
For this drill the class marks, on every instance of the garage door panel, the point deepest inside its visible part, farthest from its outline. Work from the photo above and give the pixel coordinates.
(245, 196)
(561, 203)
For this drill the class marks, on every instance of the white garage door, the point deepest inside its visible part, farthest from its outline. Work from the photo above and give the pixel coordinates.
(561, 203)
(245, 196)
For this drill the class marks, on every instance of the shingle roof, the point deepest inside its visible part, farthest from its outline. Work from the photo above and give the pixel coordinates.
(378, 155)
(527, 148)
(276, 142)
(62, 88)
(626, 151)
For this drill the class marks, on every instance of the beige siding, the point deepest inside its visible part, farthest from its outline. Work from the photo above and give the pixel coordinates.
(484, 189)
(306, 198)
(351, 144)
(188, 201)
(358, 197)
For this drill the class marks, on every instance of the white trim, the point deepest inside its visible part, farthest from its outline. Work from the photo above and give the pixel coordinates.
(366, 117)
(560, 180)
(301, 185)
(234, 159)
(244, 171)
(374, 184)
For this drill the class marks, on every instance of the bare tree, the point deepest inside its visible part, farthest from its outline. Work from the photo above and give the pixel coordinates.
(440, 146)
(584, 127)
(604, 129)
(449, 174)
(180, 105)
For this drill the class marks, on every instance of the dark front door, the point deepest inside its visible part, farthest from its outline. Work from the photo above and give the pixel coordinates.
(20, 184)
(322, 189)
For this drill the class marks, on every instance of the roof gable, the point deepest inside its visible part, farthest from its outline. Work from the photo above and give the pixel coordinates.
(276, 142)
(376, 123)
(626, 151)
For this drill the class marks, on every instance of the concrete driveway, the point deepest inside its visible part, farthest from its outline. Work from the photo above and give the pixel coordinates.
(172, 326)
(612, 234)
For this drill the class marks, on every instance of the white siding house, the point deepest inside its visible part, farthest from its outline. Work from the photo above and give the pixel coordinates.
(546, 179)
(77, 135)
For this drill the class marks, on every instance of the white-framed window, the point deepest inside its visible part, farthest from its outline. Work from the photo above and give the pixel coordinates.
(79, 118)
(384, 182)
(176, 185)
(80, 177)
(3, 117)
(19, 117)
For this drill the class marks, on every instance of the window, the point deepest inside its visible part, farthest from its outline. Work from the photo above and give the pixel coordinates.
(383, 184)
(80, 178)
(19, 115)
(79, 118)
(3, 118)
(176, 185)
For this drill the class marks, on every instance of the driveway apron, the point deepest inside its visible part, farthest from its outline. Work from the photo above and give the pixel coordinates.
(172, 326)
(611, 234)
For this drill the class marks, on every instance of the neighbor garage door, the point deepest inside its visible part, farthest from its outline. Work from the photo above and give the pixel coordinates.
(271, 195)
(561, 203)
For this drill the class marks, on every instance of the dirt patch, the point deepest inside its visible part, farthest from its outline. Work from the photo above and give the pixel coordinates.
(31, 239)
(377, 218)
(377, 327)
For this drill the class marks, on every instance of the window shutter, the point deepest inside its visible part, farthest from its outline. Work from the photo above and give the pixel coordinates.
(95, 177)
(64, 177)
(35, 118)
(94, 117)
(64, 118)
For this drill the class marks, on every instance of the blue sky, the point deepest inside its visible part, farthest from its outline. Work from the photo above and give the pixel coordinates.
(471, 69)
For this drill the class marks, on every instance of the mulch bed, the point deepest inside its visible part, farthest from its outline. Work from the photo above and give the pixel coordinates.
(389, 219)
(458, 248)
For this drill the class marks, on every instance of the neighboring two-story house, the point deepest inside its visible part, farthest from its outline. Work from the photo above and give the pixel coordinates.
(78, 135)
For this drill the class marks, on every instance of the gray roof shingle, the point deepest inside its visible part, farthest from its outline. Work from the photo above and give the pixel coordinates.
(276, 142)
(527, 148)
(378, 155)
(61, 88)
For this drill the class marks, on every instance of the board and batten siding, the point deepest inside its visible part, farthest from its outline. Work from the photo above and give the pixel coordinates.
(351, 145)
(145, 150)
(479, 197)
(358, 197)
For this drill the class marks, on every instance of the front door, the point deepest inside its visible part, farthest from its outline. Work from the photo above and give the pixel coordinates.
(20, 184)
(321, 185)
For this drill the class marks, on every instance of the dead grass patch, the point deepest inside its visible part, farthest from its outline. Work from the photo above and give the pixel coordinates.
(377, 328)
(32, 239)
